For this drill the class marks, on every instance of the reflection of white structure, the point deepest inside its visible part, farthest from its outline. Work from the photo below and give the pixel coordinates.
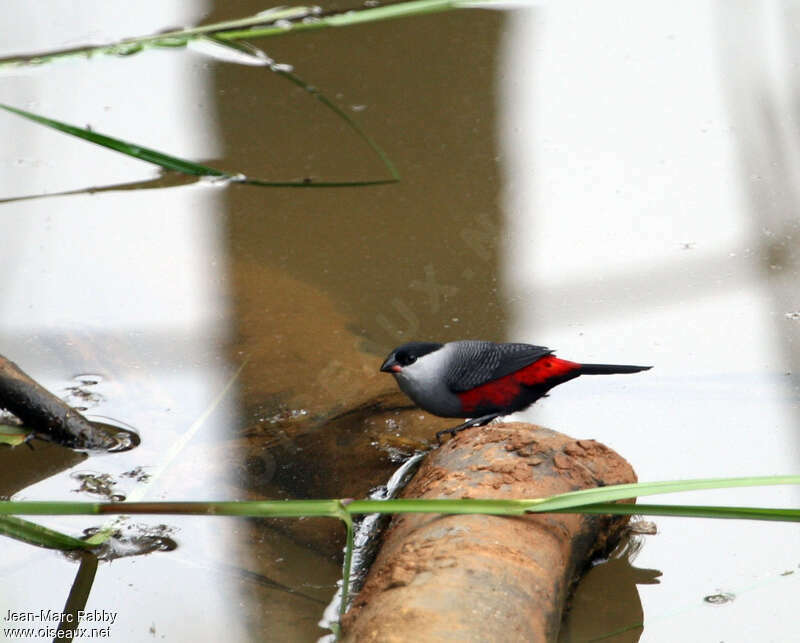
(128, 284)
(630, 241)
(129, 261)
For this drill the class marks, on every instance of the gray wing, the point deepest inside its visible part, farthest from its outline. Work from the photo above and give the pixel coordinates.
(480, 362)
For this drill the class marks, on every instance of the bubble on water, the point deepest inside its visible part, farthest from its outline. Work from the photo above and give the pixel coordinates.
(719, 599)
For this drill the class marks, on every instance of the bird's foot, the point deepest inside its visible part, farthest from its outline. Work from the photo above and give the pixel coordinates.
(480, 421)
(28, 439)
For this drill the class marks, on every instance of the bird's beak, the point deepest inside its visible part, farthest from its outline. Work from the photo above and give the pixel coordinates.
(391, 365)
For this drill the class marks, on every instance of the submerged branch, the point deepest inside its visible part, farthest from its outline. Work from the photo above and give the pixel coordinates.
(46, 415)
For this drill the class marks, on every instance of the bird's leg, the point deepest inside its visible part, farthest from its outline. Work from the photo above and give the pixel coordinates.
(484, 419)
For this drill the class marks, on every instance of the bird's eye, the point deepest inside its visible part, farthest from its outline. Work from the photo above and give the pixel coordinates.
(404, 359)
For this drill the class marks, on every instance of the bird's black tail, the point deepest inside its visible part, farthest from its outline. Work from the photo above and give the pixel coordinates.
(610, 369)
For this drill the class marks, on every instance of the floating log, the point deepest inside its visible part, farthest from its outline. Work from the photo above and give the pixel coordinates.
(480, 577)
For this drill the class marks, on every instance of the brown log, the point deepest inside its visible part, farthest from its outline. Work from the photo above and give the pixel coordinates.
(45, 414)
(480, 577)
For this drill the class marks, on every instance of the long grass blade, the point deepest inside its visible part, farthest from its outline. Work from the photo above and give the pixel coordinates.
(140, 152)
(343, 19)
(688, 511)
(316, 93)
(639, 489)
(600, 500)
(574, 502)
(13, 435)
(170, 39)
(33, 534)
(276, 22)
(174, 163)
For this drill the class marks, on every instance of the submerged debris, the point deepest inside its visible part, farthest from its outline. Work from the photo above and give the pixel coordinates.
(131, 540)
(138, 474)
(97, 484)
(80, 396)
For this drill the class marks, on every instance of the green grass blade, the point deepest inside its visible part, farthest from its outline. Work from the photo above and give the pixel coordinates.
(346, 18)
(689, 511)
(391, 12)
(639, 489)
(255, 508)
(568, 500)
(174, 163)
(351, 122)
(130, 149)
(440, 505)
(170, 39)
(572, 501)
(316, 184)
(48, 508)
(275, 22)
(13, 435)
(33, 534)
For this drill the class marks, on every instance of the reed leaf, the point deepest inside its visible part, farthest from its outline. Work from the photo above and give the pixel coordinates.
(689, 511)
(13, 435)
(177, 164)
(140, 152)
(590, 501)
(583, 501)
(274, 22)
(33, 534)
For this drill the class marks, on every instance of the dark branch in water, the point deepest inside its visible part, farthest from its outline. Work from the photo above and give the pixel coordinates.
(46, 415)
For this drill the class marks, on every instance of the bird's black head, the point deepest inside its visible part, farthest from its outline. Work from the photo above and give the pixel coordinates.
(407, 354)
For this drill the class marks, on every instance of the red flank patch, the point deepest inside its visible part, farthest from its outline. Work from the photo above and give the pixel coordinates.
(504, 391)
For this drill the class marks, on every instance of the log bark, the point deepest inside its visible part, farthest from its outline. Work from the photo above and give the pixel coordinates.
(488, 578)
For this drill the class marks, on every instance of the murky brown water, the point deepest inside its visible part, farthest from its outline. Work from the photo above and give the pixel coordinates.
(568, 179)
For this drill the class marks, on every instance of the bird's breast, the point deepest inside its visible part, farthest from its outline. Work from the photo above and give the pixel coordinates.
(431, 395)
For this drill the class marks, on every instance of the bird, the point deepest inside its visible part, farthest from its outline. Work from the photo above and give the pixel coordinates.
(483, 380)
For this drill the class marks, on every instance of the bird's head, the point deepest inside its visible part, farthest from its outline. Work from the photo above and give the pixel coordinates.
(407, 354)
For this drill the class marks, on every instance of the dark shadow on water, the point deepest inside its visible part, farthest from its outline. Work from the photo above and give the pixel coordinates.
(606, 605)
(21, 467)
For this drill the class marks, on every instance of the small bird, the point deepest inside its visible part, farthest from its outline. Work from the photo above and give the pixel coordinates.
(482, 380)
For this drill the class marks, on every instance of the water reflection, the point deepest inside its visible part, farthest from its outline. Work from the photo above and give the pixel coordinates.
(129, 286)
(626, 161)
